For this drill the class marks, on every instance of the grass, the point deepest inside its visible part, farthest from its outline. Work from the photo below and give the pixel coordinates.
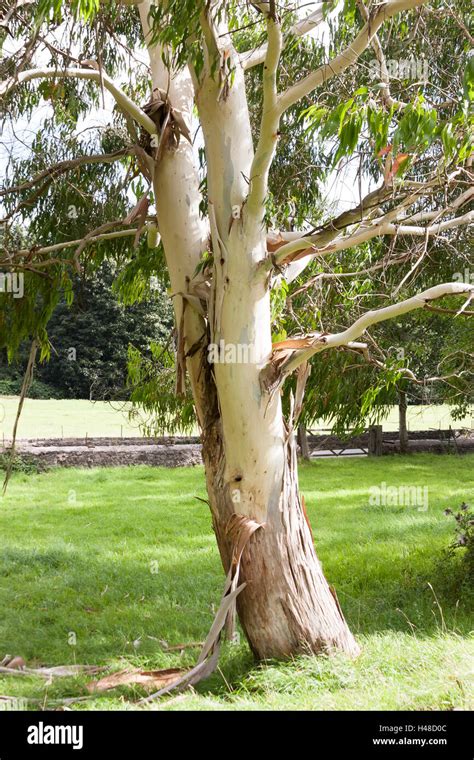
(66, 418)
(125, 558)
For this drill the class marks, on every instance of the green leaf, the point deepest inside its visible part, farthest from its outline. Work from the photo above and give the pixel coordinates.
(468, 81)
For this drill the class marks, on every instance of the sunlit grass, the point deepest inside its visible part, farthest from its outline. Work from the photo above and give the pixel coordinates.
(125, 559)
(69, 418)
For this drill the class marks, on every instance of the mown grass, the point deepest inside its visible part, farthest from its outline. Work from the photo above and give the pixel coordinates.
(125, 559)
(78, 418)
(67, 418)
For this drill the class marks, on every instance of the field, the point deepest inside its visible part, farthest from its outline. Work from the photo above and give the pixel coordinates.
(66, 419)
(108, 567)
(78, 418)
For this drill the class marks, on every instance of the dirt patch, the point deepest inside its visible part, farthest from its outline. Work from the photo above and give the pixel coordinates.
(175, 451)
(111, 452)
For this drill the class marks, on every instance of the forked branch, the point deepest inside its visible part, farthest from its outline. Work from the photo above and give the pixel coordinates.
(319, 342)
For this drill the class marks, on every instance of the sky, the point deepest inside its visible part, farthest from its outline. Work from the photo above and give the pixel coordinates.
(342, 187)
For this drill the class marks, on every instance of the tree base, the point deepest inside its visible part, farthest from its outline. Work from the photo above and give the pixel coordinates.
(287, 607)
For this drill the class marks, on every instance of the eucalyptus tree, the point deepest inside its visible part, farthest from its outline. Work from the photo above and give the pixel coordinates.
(207, 197)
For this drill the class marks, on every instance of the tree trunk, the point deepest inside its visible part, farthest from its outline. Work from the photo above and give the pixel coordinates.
(249, 454)
(402, 422)
(303, 442)
(287, 606)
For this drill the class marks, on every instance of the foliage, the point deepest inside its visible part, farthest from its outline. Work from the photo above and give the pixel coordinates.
(464, 536)
(11, 386)
(151, 381)
(23, 463)
(89, 341)
(427, 130)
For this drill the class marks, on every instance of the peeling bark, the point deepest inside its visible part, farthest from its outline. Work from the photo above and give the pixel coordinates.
(286, 606)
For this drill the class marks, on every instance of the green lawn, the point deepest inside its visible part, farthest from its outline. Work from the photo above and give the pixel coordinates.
(77, 549)
(53, 418)
(77, 418)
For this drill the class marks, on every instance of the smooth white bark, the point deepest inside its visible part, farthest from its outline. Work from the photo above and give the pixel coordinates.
(176, 182)
(239, 314)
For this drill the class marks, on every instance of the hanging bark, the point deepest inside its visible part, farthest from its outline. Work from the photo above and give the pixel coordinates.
(286, 605)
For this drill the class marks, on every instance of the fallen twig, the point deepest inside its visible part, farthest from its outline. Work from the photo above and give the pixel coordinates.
(61, 671)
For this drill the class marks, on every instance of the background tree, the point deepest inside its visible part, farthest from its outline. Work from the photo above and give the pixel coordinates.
(90, 339)
(424, 358)
(222, 254)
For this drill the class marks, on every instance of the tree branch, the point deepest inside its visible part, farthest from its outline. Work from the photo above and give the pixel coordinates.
(405, 372)
(268, 139)
(349, 56)
(303, 27)
(321, 342)
(54, 171)
(120, 96)
(379, 54)
(342, 275)
(28, 252)
(440, 310)
(306, 247)
(364, 211)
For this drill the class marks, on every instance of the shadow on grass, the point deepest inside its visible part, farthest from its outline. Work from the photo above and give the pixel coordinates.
(89, 571)
(58, 591)
(111, 604)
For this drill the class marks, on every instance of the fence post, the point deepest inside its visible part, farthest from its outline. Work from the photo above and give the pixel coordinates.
(303, 442)
(375, 440)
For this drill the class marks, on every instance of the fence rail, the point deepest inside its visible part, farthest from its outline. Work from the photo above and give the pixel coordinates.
(375, 441)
